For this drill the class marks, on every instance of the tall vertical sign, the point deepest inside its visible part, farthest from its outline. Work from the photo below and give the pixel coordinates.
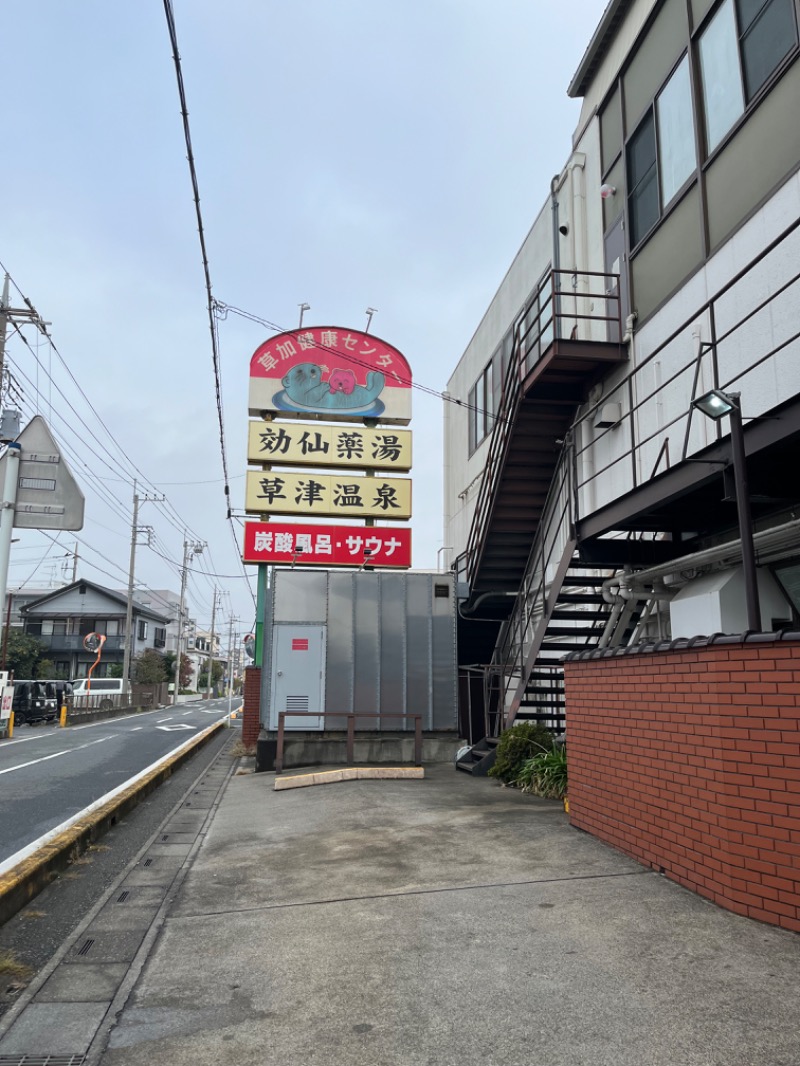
(313, 471)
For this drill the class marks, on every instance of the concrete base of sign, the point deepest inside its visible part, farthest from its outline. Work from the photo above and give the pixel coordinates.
(350, 773)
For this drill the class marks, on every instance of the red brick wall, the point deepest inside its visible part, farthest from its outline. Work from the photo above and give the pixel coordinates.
(689, 760)
(251, 720)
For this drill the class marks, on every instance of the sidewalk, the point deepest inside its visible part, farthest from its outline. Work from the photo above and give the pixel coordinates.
(445, 921)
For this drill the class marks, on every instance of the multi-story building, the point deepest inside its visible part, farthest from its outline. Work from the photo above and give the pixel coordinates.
(62, 619)
(588, 501)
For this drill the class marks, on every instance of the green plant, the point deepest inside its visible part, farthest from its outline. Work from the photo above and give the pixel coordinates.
(545, 774)
(518, 744)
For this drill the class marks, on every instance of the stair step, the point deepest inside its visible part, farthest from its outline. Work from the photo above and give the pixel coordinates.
(524, 702)
(574, 631)
(576, 580)
(580, 597)
(565, 613)
(566, 645)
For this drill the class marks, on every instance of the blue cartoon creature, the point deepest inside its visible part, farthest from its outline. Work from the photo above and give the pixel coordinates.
(304, 389)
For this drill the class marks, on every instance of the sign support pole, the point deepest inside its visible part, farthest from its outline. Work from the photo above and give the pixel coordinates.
(12, 458)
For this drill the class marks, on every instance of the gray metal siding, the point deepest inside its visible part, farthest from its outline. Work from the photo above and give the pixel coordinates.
(341, 647)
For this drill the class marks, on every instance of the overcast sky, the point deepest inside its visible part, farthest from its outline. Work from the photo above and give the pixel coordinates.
(350, 154)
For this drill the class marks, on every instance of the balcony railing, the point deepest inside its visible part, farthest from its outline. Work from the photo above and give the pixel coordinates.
(74, 642)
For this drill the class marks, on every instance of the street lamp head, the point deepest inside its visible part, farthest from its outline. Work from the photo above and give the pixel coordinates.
(716, 404)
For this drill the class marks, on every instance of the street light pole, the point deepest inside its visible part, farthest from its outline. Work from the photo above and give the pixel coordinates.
(716, 404)
(745, 518)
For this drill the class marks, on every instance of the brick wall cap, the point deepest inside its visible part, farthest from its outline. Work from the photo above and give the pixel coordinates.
(649, 647)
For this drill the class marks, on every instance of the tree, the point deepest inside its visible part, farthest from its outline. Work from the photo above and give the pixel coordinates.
(186, 668)
(217, 673)
(23, 653)
(149, 668)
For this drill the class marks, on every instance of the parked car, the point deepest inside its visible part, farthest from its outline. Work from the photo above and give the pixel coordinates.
(34, 701)
(98, 692)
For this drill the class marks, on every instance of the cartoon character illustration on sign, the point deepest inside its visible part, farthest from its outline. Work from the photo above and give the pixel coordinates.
(342, 381)
(304, 389)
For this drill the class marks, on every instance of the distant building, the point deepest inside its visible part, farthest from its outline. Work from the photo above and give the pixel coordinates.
(61, 619)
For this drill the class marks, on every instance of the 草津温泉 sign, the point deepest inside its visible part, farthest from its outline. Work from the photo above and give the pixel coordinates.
(330, 373)
(327, 545)
(327, 495)
(301, 444)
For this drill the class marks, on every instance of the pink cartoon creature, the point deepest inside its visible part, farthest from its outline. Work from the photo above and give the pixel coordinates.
(342, 381)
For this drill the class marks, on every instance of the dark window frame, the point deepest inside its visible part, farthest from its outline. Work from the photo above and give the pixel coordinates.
(750, 105)
(649, 115)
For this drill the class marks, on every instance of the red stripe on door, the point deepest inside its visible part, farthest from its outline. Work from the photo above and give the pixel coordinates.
(299, 643)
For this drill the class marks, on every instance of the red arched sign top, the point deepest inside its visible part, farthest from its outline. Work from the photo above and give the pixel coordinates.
(330, 373)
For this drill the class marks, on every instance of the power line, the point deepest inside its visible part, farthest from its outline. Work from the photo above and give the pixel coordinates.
(201, 234)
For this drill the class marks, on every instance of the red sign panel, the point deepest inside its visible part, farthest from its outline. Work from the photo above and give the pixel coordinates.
(330, 373)
(299, 643)
(327, 545)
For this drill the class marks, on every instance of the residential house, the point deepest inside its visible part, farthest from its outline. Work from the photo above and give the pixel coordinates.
(62, 619)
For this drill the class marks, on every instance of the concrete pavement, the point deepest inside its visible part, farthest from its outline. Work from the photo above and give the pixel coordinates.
(443, 921)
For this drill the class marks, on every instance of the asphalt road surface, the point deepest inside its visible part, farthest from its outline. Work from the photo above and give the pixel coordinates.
(49, 775)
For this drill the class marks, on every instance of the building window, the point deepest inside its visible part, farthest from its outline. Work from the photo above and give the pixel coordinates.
(142, 631)
(740, 49)
(113, 627)
(481, 408)
(661, 153)
(159, 637)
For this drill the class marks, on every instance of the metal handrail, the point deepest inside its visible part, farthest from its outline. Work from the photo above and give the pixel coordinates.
(351, 717)
(625, 386)
(533, 332)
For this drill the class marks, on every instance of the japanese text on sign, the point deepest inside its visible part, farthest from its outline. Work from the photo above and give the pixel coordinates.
(326, 545)
(298, 443)
(327, 495)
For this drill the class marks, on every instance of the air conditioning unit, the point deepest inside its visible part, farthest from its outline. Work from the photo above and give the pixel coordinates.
(608, 415)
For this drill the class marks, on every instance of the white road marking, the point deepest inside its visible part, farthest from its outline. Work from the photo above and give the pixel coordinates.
(165, 720)
(135, 728)
(29, 849)
(54, 755)
(178, 725)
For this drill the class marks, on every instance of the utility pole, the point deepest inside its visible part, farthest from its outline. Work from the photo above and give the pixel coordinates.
(209, 683)
(189, 551)
(14, 315)
(75, 563)
(135, 531)
(231, 645)
(126, 661)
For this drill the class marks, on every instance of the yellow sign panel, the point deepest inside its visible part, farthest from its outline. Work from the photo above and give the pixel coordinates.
(304, 444)
(327, 495)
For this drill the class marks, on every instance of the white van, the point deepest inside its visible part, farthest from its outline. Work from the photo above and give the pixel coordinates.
(102, 692)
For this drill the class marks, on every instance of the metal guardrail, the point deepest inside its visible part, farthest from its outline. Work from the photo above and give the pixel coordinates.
(351, 730)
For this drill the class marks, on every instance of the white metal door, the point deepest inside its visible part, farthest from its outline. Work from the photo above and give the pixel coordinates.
(298, 680)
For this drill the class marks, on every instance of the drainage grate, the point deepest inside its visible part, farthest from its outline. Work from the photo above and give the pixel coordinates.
(85, 947)
(42, 1060)
(147, 862)
(123, 896)
(165, 836)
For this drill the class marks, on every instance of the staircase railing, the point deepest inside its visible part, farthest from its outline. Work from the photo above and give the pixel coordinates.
(550, 557)
(592, 309)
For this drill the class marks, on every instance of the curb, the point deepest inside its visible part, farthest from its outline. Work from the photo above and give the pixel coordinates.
(356, 773)
(19, 885)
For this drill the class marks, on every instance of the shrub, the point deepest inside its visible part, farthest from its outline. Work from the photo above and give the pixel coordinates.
(545, 774)
(518, 744)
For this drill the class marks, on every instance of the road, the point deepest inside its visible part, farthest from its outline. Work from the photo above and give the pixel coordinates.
(49, 775)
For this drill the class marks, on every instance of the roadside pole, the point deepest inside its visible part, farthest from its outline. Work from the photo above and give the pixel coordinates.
(12, 458)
